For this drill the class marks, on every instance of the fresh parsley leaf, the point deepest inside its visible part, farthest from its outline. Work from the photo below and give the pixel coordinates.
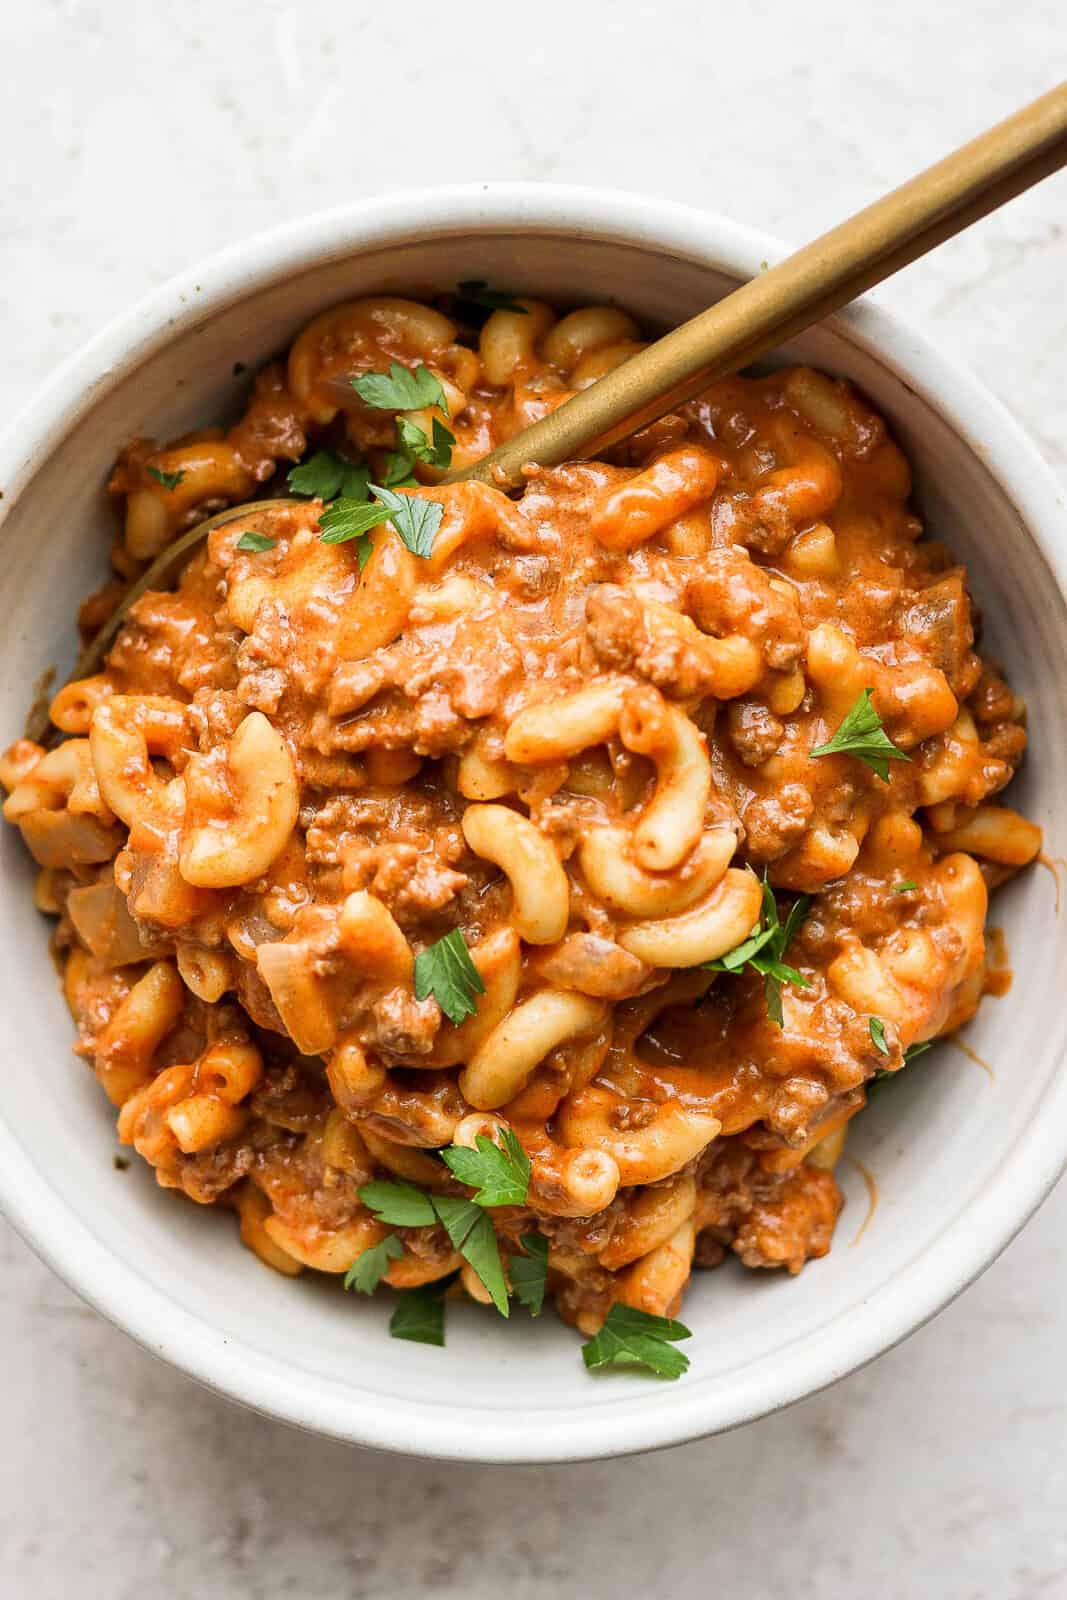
(473, 1235)
(411, 439)
(764, 948)
(500, 1173)
(420, 1314)
(861, 734)
(441, 445)
(350, 519)
(400, 1205)
(772, 995)
(400, 471)
(775, 970)
(355, 485)
(634, 1338)
(741, 954)
(255, 541)
(478, 293)
(414, 443)
(456, 1216)
(368, 1269)
(482, 1249)
(905, 887)
(794, 917)
(416, 521)
(319, 475)
(877, 1027)
(401, 389)
(169, 480)
(446, 971)
(414, 446)
(529, 1272)
(327, 476)
(914, 1050)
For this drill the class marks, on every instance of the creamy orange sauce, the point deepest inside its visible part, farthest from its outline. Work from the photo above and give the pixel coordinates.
(998, 975)
(871, 1184)
(972, 1055)
(1052, 865)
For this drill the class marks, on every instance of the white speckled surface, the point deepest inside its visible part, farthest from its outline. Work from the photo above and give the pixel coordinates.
(137, 137)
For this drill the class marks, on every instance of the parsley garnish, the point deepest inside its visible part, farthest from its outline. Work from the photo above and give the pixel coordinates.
(883, 1075)
(368, 1269)
(400, 1205)
(473, 1235)
(478, 293)
(446, 971)
(764, 948)
(416, 521)
(634, 1338)
(861, 734)
(401, 389)
(400, 471)
(420, 1313)
(877, 1027)
(441, 445)
(411, 439)
(529, 1273)
(364, 550)
(350, 519)
(500, 1173)
(905, 887)
(327, 476)
(169, 480)
(416, 447)
(331, 478)
(255, 541)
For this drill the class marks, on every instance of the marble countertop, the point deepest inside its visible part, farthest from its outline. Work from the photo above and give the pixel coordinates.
(138, 137)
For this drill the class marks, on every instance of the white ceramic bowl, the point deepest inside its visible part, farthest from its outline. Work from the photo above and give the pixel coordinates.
(961, 1161)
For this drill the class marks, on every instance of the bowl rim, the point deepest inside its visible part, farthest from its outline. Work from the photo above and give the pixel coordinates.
(968, 1242)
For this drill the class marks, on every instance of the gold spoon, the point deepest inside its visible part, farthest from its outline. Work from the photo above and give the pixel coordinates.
(39, 724)
(808, 286)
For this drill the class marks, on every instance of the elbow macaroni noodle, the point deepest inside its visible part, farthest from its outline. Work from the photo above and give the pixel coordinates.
(579, 731)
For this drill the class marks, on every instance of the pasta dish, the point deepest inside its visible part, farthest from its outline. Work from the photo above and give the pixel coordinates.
(518, 897)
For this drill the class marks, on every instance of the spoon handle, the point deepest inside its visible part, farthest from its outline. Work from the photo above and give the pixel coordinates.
(809, 285)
